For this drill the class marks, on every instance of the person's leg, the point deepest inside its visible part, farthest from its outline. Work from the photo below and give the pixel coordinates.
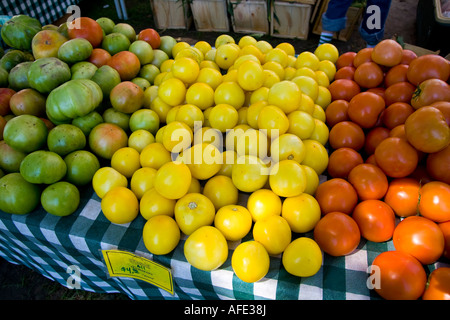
(334, 19)
(374, 19)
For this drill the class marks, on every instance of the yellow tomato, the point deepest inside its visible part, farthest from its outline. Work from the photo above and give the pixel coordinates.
(208, 64)
(192, 53)
(277, 55)
(193, 211)
(172, 180)
(302, 212)
(263, 203)
(322, 78)
(287, 47)
(107, 178)
(206, 113)
(301, 124)
(264, 46)
(302, 257)
(221, 191)
(250, 75)
(210, 76)
(231, 75)
(160, 107)
(204, 160)
(329, 68)
(319, 113)
(242, 115)
(230, 93)
(154, 155)
(312, 180)
(316, 156)
(273, 233)
(253, 112)
(161, 235)
(139, 139)
(185, 69)
(142, 180)
(190, 114)
(149, 94)
(229, 158)
(206, 248)
(324, 98)
(252, 142)
(270, 78)
(307, 104)
(273, 120)
(246, 40)
(289, 73)
(223, 39)
(307, 72)
(120, 205)
(126, 161)
(223, 117)
(327, 51)
(275, 67)
(180, 45)
(226, 54)
(250, 261)
(166, 65)
(201, 95)
(287, 146)
(195, 186)
(172, 91)
(234, 221)
(231, 136)
(320, 132)
(252, 49)
(208, 135)
(153, 204)
(249, 173)
(211, 55)
(307, 86)
(287, 178)
(177, 136)
(307, 59)
(286, 95)
(203, 46)
(243, 58)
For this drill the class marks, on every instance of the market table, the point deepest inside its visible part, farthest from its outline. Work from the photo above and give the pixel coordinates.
(69, 250)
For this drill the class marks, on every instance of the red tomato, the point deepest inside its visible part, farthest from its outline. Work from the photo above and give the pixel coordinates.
(445, 228)
(435, 201)
(343, 89)
(398, 132)
(126, 63)
(395, 75)
(151, 36)
(86, 28)
(399, 92)
(396, 157)
(336, 112)
(438, 165)
(374, 137)
(345, 60)
(365, 108)
(430, 91)
(336, 194)
(438, 285)
(401, 276)
(341, 161)
(378, 90)
(345, 73)
(429, 66)
(368, 75)
(375, 219)
(387, 53)
(363, 55)
(337, 234)
(408, 56)
(369, 181)
(419, 237)
(396, 114)
(99, 57)
(403, 196)
(346, 134)
(444, 107)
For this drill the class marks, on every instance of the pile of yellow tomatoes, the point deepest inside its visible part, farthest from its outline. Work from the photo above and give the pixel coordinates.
(240, 149)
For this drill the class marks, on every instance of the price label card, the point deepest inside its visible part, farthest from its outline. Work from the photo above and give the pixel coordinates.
(127, 264)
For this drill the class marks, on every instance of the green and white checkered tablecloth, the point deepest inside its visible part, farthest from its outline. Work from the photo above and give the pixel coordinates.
(50, 245)
(46, 11)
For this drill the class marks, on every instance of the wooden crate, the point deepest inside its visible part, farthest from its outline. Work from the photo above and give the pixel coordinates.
(171, 14)
(312, 2)
(353, 18)
(210, 15)
(290, 20)
(249, 16)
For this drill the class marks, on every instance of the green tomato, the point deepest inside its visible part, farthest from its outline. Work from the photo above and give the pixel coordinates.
(42, 166)
(81, 167)
(65, 138)
(60, 199)
(18, 196)
(25, 133)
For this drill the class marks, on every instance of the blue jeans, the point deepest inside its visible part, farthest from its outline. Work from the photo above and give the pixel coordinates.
(372, 25)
